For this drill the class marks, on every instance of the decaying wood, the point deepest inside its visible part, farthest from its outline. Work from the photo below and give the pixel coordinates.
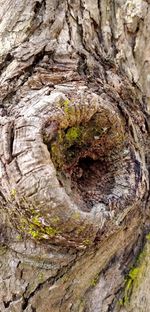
(74, 124)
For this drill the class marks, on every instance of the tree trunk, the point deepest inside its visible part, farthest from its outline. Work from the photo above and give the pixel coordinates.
(74, 122)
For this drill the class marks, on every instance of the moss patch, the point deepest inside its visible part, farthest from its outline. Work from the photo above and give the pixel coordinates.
(37, 228)
(131, 278)
(83, 136)
(94, 281)
(73, 135)
(70, 142)
(134, 276)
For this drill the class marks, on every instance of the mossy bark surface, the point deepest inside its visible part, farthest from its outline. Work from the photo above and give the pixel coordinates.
(74, 153)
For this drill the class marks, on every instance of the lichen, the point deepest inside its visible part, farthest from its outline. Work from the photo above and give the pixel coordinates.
(128, 287)
(148, 236)
(81, 229)
(94, 281)
(3, 249)
(41, 277)
(36, 227)
(133, 278)
(82, 305)
(73, 135)
(51, 231)
(76, 216)
(42, 232)
(87, 242)
(19, 237)
(13, 192)
(55, 220)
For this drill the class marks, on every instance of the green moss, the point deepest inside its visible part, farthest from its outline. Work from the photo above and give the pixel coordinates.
(41, 233)
(133, 278)
(37, 229)
(19, 237)
(41, 277)
(55, 220)
(148, 236)
(70, 142)
(56, 153)
(73, 135)
(34, 233)
(51, 231)
(64, 279)
(82, 306)
(87, 242)
(121, 302)
(36, 221)
(23, 224)
(76, 216)
(133, 274)
(68, 108)
(3, 250)
(127, 291)
(13, 192)
(94, 281)
(81, 229)
(66, 105)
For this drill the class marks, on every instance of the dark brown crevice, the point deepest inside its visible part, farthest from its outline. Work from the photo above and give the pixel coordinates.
(2, 199)
(82, 65)
(30, 69)
(27, 73)
(37, 59)
(100, 37)
(37, 7)
(40, 286)
(101, 63)
(50, 281)
(14, 298)
(68, 22)
(7, 303)
(11, 141)
(81, 32)
(113, 20)
(8, 59)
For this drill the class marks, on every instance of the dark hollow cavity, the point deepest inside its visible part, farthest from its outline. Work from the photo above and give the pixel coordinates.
(91, 182)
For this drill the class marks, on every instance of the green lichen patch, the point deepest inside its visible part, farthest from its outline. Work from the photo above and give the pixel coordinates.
(42, 232)
(19, 237)
(133, 278)
(87, 242)
(13, 192)
(3, 249)
(36, 227)
(94, 281)
(71, 142)
(45, 232)
(76, 216)
(73, 135)
(148, 236)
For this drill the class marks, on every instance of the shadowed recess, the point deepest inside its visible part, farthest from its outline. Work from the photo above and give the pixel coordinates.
(86, 157)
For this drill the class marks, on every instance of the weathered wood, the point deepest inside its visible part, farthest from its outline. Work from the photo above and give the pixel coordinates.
(74, 180)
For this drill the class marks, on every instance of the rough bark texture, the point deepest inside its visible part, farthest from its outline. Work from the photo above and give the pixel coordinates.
(74, 155)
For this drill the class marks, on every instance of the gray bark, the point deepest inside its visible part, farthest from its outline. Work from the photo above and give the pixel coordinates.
(74, 155)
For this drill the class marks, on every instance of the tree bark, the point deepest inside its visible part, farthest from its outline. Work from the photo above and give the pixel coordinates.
(74, 156)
